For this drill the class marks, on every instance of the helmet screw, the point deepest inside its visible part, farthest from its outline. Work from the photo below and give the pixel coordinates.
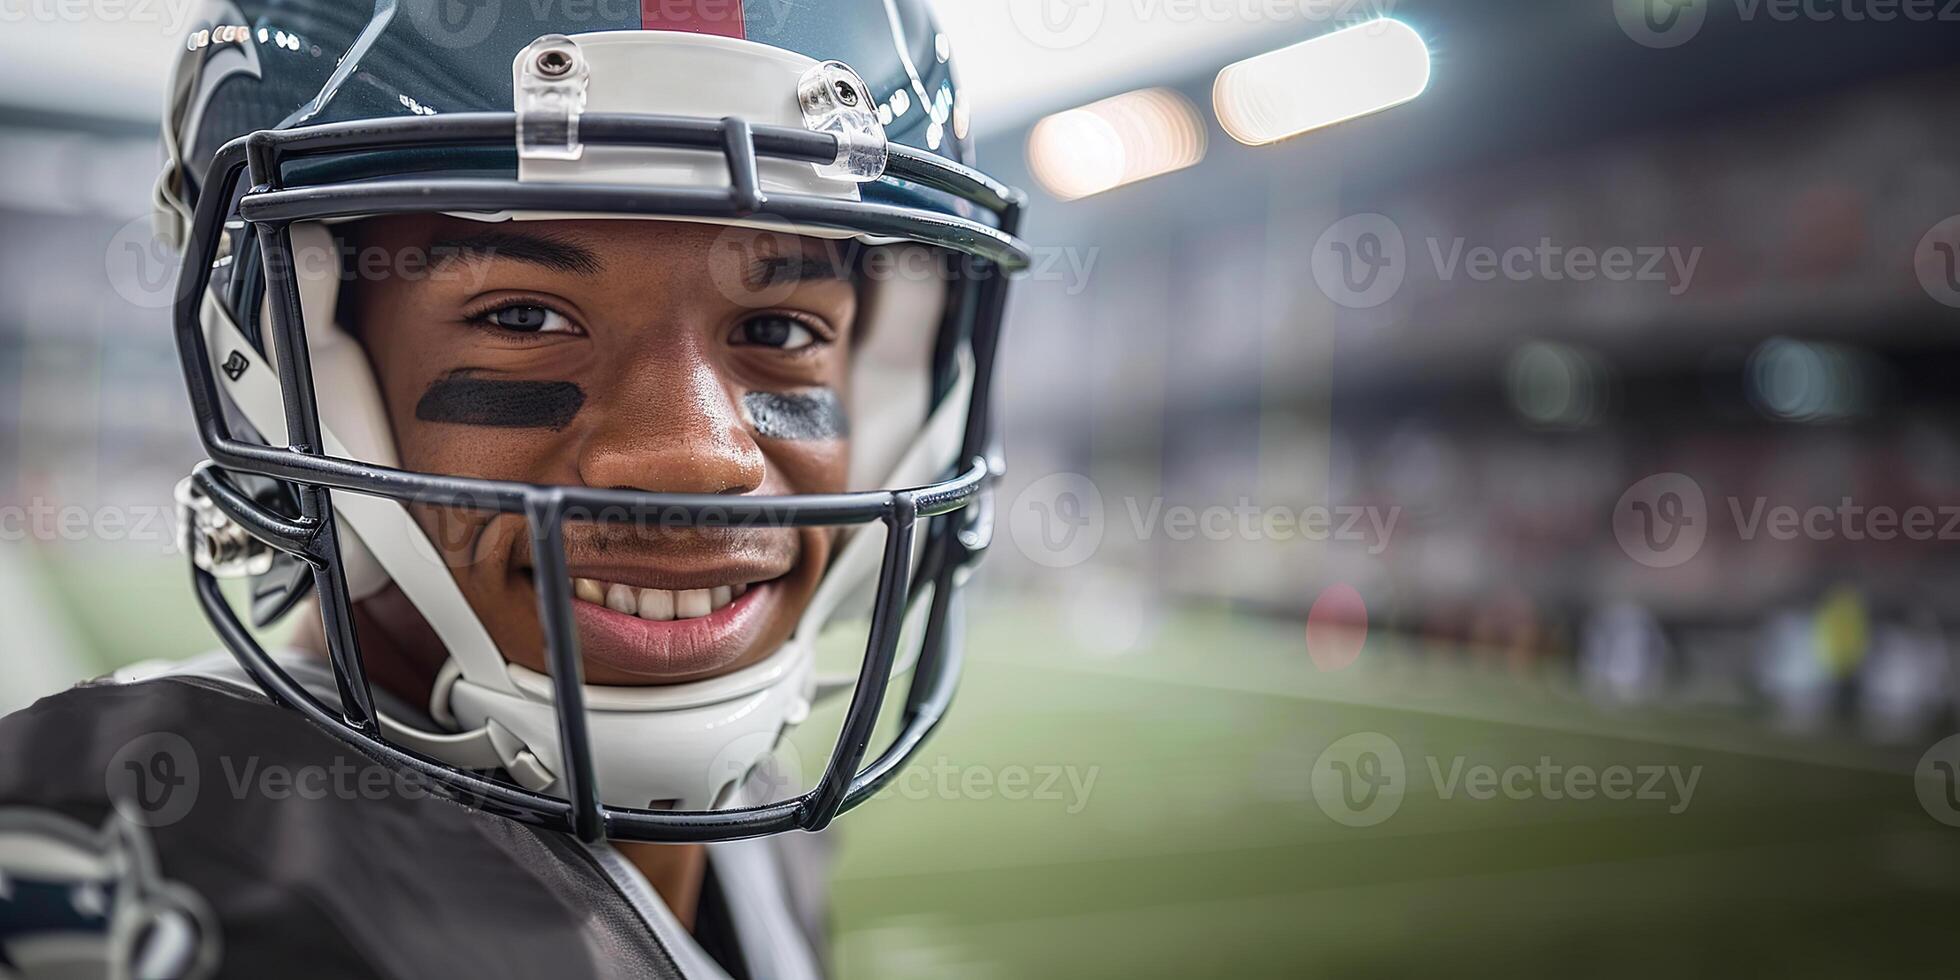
(846, 93)
(554, 62)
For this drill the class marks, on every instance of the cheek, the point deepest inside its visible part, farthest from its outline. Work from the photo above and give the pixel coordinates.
(485, 453)
(803, 425)
(500, 403)
(816, 415)
(454, 533)
(807, 467)
(493, 428)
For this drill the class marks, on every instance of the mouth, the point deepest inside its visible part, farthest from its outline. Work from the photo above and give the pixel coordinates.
(658, 605)
(629, 628)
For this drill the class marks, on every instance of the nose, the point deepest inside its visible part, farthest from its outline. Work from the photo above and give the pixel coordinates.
(668, 424)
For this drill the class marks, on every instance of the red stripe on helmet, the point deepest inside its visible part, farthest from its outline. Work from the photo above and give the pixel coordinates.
(723, 17)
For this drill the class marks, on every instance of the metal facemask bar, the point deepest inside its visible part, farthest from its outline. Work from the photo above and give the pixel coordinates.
(957, 511)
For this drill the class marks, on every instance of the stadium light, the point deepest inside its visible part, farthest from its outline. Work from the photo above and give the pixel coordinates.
(1335, 77)
(1117, 141)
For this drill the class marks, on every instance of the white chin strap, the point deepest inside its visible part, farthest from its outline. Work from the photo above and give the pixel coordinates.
(682, 746)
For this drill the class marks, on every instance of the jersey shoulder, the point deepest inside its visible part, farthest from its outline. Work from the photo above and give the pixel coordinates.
(81, 748)
(315, 860)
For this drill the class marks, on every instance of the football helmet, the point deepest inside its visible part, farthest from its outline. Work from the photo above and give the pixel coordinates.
(839, 120)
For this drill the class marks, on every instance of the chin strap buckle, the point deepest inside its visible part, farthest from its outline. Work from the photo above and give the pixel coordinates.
(215, 542)
(836, 101)
(551, 78)
(491, 746)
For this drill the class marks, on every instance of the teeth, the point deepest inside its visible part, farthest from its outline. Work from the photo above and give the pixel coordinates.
(658, 605)
(691, 603)
(619, 598)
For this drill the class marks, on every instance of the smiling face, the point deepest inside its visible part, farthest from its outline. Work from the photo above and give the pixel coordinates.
(638, 355)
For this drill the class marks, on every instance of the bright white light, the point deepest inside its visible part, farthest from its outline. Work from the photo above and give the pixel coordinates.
(1351, 72)
(1118, 141)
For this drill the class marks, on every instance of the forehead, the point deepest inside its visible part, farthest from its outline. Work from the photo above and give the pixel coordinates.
(593, 246)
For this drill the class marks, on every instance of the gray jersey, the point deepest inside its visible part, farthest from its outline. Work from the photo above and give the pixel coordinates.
(299, 857)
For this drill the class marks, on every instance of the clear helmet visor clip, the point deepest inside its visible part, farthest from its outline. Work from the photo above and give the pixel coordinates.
(835, 100)
(551, 82)
(552, 77)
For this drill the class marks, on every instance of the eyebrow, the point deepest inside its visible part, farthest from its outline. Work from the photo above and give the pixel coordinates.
(778, 270)
(556, 254)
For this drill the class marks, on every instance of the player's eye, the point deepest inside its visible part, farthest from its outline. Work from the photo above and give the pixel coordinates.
(528, 318)
(773, 330)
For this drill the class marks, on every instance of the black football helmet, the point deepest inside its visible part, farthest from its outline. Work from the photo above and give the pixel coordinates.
(841, 120)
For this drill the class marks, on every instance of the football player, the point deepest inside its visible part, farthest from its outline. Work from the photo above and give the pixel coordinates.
(566, 372)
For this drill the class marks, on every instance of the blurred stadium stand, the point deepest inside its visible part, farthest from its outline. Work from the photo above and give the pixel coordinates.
(1181, 352)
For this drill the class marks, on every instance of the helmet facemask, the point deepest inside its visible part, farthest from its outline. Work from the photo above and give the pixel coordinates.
(640, 763)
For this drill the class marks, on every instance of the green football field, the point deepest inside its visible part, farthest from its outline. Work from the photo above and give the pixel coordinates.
(1154, 813)
(1199, 849)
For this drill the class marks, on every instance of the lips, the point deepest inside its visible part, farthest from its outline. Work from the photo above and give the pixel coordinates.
(680, 608)
(658, 605)
(669, 634)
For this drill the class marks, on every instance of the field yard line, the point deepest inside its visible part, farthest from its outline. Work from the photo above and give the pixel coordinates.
(1766, 745)
(1360, 893)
